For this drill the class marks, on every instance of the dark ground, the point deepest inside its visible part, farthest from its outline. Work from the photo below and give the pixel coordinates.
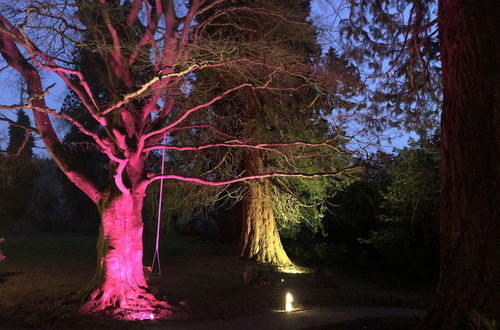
(41, 273)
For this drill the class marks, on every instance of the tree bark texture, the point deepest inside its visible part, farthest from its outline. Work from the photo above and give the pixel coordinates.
(119, 284)
(260, 240)
(470, 231)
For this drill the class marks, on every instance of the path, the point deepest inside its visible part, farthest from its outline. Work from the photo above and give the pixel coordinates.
(301, 319)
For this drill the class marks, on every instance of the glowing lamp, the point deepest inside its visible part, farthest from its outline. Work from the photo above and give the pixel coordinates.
(288, 302)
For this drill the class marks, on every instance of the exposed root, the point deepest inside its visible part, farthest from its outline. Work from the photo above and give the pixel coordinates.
(285, 267)
(277, 260)
(126, 305)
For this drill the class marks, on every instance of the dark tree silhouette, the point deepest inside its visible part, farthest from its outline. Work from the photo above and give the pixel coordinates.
(470, 150)
(400, 43)
(17, 171)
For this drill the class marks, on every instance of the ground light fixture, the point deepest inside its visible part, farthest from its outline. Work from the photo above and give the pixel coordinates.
(288, 302)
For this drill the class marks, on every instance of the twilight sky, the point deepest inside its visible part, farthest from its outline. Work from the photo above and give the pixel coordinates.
(9, 93)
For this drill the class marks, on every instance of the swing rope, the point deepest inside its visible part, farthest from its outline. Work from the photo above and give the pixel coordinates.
(156, 256)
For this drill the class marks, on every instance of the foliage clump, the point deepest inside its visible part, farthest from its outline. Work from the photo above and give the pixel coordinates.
(390, 218)
(409, 207)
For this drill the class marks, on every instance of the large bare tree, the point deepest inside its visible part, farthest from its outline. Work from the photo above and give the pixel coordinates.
(148, 51)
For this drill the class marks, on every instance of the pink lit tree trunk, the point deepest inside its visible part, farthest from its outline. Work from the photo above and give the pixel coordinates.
(119, 287)
(119, 279)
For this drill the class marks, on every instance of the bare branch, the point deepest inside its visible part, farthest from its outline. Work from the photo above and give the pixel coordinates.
(23, 144)
(146, 86)
(190, 111)
(242, 144)
(15, 59)
(33, 52)
(345, 171)
(134, 12)
(30, 106)
(211, 127)
(15, 123)
(117, 61)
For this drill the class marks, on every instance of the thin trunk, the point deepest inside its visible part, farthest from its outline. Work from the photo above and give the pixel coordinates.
(260, 238)
(119, 285)
(470, 233)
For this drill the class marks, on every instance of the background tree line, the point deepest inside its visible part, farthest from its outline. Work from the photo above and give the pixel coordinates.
(388, 215)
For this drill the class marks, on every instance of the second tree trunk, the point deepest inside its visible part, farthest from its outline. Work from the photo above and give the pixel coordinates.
(260, 240)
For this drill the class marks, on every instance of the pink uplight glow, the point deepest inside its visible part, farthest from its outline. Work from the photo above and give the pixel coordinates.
(123, 288)
(139, 316)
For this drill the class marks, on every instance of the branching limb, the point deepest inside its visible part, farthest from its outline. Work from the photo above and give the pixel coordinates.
(9, 30)
(134, 12)
(27, 130)
(26, 138)
(152, 83)
(15, 123)
(188, 112)
(344, 171)
(148, 36)
(119, 177)
(16, 60)
(198, 126)
(118, 65)
(104, 146)
(244, 144)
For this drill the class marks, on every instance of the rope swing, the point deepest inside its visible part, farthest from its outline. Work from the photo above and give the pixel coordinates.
(155, 265)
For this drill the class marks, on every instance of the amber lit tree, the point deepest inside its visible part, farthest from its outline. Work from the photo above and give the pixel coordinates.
(147, 54)
(268, 204)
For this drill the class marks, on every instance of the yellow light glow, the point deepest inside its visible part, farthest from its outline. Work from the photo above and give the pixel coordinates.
(288, 302)
(293, 270)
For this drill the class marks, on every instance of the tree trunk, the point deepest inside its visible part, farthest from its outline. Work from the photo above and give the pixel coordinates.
(119, 286)
(260, 238)
(470, 233)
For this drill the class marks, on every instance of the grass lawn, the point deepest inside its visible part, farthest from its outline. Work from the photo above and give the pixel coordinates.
(41, 273)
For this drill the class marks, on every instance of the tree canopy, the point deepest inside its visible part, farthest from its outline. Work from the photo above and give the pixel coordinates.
(146, 54)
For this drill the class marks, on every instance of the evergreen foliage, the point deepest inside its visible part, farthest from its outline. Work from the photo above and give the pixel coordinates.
(17, 173)
(17, 136)
(286, 51)
(17, 176)
(81, 147)
(409, 210)
(396, 46)
(390, 218)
